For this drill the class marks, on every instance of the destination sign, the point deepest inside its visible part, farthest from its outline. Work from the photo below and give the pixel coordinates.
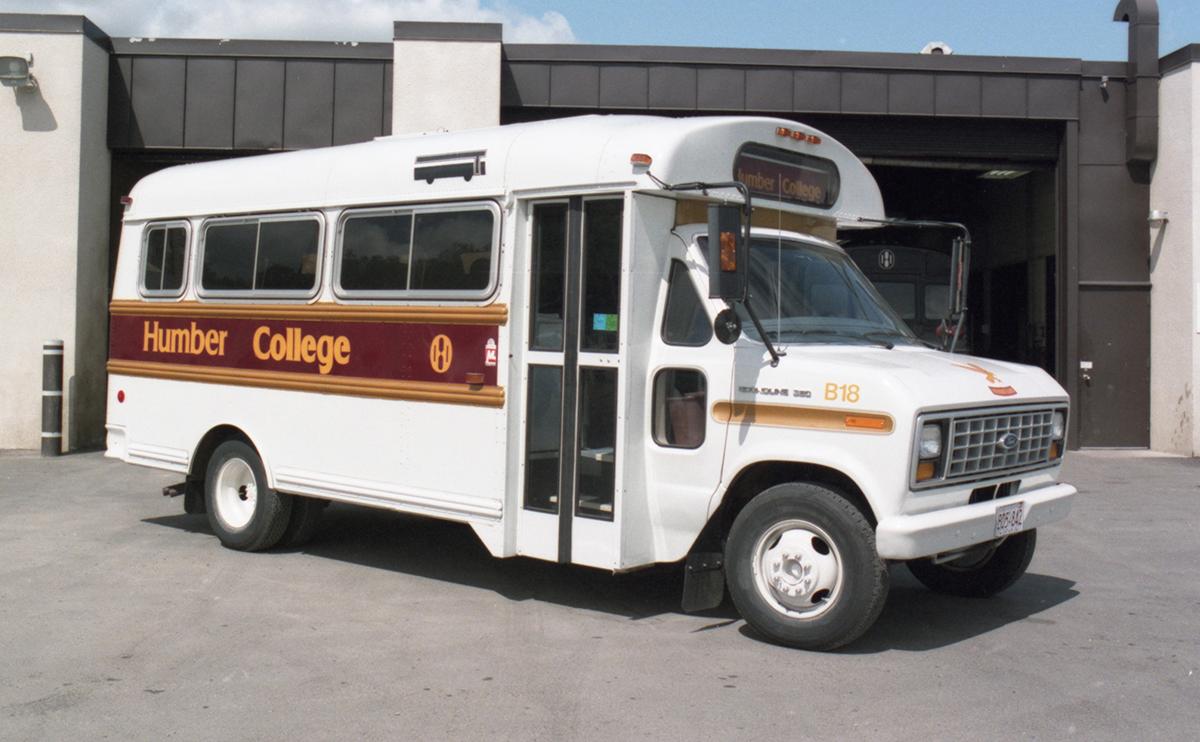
(791, 177)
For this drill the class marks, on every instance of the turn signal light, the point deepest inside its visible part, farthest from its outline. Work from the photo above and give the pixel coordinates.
(728, 252)
(1055, 450)
(925, 471)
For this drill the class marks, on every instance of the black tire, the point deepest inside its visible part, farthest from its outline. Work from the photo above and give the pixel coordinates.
(261, 523)
(836, 527)
(979, 574)
(306, 517)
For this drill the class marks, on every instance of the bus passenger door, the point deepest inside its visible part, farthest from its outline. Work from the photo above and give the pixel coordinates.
(569, 508)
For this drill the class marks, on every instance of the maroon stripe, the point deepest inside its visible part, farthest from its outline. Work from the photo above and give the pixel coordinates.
(375, 350)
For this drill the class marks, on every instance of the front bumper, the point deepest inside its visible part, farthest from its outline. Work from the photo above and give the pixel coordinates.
(925, 534)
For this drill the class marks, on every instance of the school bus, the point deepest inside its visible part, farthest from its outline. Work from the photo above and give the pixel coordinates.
(610, 341)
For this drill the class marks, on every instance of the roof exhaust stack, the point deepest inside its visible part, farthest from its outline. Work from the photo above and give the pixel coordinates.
(1141, 96)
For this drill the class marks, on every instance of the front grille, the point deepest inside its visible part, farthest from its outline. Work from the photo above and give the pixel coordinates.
(977, 444)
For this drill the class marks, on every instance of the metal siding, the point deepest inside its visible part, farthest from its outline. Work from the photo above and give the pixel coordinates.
(1004, 96)
(208, 114)
(1102, 123)
(258, 111)
(957, 95)
(120, 103)
(357, 102)
(818, 91)
(910, 94)
(575, 85)
(530, 85)
(769, 90)
(308, 105)
(1053, 98)
(721, 89)
(1114, 241)
(624, 86)
(158, 96)
(864, 92)
(673, 88)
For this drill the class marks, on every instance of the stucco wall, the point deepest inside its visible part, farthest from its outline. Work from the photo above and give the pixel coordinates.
(1173, 312)
(425, 70)
(53, 228)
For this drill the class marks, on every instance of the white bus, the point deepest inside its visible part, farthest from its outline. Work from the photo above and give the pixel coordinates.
(610, 341)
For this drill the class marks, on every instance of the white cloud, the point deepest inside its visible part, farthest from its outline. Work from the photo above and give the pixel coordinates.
(336, 20)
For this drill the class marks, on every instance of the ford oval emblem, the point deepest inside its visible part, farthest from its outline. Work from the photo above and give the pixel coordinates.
(1009, 442)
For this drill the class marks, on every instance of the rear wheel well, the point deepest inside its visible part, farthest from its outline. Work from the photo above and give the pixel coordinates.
(757, 478)
(208, 444)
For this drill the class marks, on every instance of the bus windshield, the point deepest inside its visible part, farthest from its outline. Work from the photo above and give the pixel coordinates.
(809, 294)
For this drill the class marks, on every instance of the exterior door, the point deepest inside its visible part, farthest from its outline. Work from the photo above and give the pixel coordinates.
(569, 504)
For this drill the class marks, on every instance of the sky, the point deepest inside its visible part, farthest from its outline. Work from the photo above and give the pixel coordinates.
(1053, 28)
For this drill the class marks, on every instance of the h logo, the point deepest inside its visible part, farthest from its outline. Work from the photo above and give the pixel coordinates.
(441, 353)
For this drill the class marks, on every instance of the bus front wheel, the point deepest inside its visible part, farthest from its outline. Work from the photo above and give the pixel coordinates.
(243, 512)
(802, 568)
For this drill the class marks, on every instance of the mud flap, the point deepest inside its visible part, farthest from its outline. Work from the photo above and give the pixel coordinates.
(703, 581)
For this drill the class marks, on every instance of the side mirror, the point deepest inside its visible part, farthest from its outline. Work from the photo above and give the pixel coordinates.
(727, 326)
(727, 258)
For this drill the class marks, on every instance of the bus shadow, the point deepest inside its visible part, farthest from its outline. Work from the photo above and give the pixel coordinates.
(914, 619)
(451, 552)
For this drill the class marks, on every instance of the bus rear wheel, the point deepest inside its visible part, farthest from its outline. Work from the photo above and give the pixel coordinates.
(243, 512)
(802, 568)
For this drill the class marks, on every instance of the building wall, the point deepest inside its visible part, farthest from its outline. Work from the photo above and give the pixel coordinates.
(1175, 355)
(425, 71)
(53, 233)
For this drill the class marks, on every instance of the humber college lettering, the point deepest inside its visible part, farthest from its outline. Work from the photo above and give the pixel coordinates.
(369, 351)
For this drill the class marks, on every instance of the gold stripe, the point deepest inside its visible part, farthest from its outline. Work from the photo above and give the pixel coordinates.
(809, 418)
(414, 391)
(493, 314)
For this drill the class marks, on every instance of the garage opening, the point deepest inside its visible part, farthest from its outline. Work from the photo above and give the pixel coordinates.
(1010, 209)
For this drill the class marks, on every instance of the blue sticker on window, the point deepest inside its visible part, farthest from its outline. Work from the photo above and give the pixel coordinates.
(604, 322)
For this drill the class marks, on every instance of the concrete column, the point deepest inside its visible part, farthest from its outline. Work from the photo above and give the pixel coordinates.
(446, 76)
(54, 177)
(1175, 269)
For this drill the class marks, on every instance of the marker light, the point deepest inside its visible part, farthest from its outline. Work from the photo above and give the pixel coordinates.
(639, 159)
(120, 395)
(728, 251)
(931, 441)
(798, 135)
(127, 201)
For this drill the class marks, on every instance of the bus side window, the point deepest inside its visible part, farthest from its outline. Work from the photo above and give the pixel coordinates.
(163, 261)
(684, 321)
(680, 399)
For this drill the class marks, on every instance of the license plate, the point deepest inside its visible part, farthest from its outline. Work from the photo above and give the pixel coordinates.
(1010, 518)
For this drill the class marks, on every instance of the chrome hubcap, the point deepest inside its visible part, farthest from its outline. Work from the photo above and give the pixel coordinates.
(797, 569)
(236, 494)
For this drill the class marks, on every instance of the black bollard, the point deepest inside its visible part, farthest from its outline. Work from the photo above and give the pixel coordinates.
(52, 397)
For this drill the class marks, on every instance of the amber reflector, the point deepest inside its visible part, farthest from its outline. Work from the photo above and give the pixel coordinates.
(728, 251)
(474, 378)
(870, 423)
(925, 471)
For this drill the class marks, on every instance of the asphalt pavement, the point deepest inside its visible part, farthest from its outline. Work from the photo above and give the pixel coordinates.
(123, 618)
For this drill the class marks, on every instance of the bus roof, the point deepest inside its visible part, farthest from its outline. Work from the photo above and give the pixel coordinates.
(580, 152)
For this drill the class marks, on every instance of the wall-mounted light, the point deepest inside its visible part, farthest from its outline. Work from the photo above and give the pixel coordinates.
(14, 72)
(1157, 217)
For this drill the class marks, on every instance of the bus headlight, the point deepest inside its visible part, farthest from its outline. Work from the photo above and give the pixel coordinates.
(1058, 425)
(931, 441)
